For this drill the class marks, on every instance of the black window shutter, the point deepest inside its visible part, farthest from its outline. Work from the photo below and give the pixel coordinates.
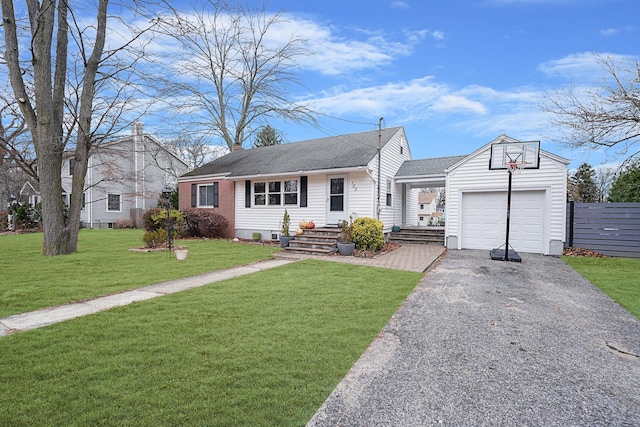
(194, 195)
(215, 194)
(247, 194)
(303, 191)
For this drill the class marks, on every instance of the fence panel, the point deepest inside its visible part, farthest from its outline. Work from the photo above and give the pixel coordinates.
(609, 228)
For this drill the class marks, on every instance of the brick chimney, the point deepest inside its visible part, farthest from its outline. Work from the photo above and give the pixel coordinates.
(237, 147)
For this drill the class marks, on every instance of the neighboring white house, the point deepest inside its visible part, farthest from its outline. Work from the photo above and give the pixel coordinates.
(326, 180)
(426, 208)
(124, 178)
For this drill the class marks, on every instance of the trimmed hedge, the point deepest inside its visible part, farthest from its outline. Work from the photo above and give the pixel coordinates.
(367, 234)
(204, 223)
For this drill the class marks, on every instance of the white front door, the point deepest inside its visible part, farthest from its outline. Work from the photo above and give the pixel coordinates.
(336, 199)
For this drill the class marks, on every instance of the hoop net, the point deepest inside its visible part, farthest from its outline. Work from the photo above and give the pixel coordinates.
(515, 166)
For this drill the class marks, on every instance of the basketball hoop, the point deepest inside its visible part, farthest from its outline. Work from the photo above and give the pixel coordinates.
(515, 166)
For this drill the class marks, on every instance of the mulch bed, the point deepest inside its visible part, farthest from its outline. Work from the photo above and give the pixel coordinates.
(388, 247)
(583, 252)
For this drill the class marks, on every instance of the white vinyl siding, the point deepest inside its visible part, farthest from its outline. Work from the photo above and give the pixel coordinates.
(473, 175)
(392, 159)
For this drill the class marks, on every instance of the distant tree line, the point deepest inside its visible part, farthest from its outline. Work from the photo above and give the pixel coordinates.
(605, 184)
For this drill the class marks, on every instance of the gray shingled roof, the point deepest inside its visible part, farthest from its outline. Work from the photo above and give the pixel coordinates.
(435, 166)
(336, 152)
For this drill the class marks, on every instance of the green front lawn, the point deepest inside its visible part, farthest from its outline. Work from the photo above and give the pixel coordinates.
(617, 277)
(103, 265)
(264, 349)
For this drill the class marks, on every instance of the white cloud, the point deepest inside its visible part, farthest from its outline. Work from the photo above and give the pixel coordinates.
(334, 53)
(397, 4)
(607, 32)
(581, 66)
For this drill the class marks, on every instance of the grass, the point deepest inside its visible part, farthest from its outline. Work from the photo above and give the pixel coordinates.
(103, 265)
(264, 349)
(617, 277)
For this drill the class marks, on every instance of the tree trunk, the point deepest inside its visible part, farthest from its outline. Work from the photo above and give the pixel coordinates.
(45, 120)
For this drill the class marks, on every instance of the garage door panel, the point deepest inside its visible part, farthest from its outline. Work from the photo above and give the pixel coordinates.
(484, 220)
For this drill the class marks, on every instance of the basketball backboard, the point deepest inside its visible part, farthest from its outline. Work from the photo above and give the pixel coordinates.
(527, 152)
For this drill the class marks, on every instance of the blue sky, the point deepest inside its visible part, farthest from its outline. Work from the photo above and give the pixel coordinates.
(456, 74)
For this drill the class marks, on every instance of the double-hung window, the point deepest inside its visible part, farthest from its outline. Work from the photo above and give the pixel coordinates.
(275, 193)
(208, 195)
(113, 203)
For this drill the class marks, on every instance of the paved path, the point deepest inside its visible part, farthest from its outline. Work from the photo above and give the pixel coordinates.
(416, 258)
(410, 257)
(48, 316)
(483, 342)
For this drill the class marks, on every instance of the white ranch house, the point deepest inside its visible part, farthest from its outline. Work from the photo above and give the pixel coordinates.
(328, 180)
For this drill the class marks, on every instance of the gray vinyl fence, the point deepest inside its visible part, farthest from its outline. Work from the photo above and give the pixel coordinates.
(608, 228)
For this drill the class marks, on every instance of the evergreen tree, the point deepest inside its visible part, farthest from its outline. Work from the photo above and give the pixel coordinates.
(583, 185)
(626, 186)
(267, 136)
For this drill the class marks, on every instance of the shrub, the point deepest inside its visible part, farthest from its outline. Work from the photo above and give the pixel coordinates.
(367, 234)
(155, 226)
(204, 223)
(123, 223)
(26, 216)
(150, 219)
(156, 238)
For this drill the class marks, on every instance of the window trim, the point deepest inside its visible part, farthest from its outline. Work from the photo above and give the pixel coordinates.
(215, 196)
(119, 202)
(389, 193)
(280, 195)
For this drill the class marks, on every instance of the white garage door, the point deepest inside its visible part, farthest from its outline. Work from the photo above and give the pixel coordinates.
(484, 220)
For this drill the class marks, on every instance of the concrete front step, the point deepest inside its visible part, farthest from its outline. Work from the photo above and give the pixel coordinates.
(308, 251)
(418, 235)
(302, 244)
(315, 241)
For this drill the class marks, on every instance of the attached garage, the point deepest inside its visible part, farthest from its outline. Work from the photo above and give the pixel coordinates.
(476, 203)
(484, 220)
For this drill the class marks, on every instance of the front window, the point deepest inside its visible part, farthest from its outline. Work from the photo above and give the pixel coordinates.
(208, 195)
(72, 166)
(259, 193)
(113, 203)
(275, 193)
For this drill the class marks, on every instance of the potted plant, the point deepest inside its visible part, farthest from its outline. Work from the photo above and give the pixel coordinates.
(285, 237)
(345, 243)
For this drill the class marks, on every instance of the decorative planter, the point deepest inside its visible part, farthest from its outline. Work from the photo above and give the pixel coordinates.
(346, 249)
(284, 241)
(181, 254)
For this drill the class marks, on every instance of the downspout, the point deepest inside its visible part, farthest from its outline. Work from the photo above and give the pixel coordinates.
(378, 208)
(135, 162)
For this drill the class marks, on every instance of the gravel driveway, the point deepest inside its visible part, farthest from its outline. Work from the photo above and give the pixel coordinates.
(483, 342)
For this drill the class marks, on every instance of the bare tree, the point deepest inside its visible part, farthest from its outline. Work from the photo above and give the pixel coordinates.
(607, 116)
(70, 95)
(195, 150)
(231, 75)
(604, 178)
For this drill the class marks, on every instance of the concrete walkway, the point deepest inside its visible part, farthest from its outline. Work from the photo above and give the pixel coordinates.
(410, 257)
(47, 316)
